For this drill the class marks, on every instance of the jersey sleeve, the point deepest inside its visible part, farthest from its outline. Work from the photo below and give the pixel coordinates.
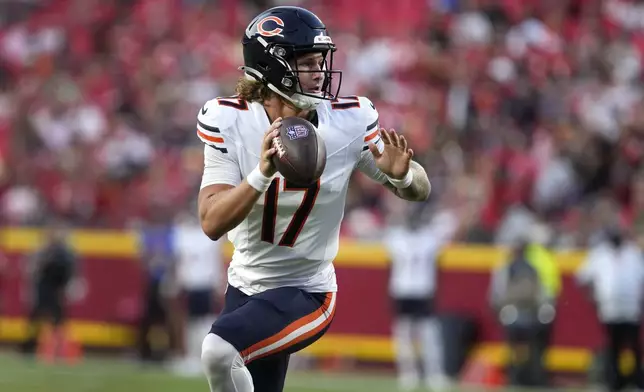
(369, 117)
(214, 126)
(367, 164)
(215, 129)
(220, 168)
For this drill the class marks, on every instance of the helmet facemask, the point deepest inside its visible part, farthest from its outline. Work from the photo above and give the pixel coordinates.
(279, 71)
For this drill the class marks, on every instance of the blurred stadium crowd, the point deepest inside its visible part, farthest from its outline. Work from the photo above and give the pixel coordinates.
(523, 111)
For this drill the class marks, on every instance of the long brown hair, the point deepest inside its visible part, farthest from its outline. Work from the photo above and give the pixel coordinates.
(252, 90)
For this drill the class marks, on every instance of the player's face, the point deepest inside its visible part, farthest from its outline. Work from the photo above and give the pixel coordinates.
(312, 79)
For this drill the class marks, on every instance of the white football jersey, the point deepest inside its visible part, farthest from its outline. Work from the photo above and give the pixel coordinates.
(414, 254)
(198, 258)
(291, 236)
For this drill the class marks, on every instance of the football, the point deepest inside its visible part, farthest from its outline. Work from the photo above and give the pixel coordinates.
(301, 153)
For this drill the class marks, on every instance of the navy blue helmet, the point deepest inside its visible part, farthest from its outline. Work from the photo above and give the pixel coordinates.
(272, 42)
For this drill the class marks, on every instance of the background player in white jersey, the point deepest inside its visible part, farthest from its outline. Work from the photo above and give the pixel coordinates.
(281, 282)
(200, 278)
(414, 245)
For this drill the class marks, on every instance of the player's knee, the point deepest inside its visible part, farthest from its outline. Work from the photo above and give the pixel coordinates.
(217, 354)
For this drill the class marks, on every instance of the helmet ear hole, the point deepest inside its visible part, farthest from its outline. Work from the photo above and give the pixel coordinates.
(279, 51)
(287, 82)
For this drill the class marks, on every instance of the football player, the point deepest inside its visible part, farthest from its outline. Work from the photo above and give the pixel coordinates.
(414, 246)
(281, 293)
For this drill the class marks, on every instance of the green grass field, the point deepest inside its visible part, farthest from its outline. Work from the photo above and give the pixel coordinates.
(18, 374)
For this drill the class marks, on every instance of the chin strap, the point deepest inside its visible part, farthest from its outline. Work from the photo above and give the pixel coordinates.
(300, 101)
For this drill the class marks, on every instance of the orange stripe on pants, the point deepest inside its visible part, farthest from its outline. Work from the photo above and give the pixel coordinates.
(294, 326)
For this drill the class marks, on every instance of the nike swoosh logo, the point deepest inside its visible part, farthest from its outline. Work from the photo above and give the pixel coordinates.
(204, 110)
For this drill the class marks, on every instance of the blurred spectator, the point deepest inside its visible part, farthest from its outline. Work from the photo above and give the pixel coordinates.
(614, 273)
(523, 292)
(4, 276)
(160, 289)
(50, 271)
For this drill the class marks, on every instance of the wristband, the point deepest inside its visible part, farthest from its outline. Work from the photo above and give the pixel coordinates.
(402, 183)
(258, 181)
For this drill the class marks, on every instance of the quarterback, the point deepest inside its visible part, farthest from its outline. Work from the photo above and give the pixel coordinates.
(281, 293)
